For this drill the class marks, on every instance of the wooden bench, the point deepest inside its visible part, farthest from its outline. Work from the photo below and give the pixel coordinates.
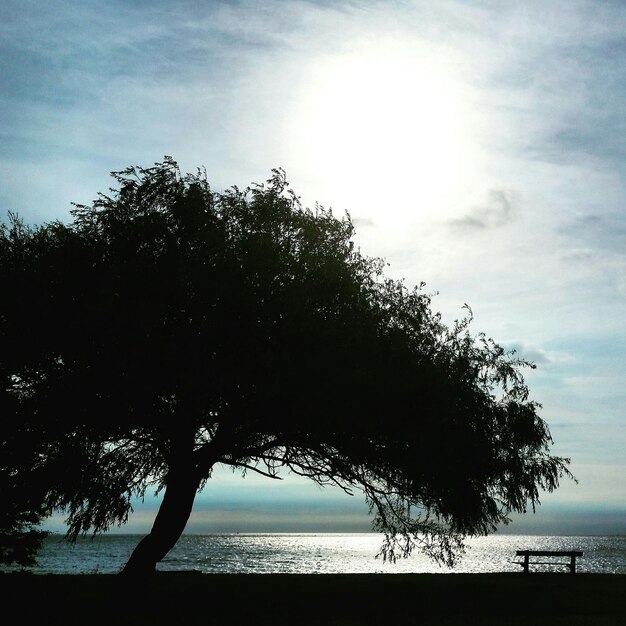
(528, 553)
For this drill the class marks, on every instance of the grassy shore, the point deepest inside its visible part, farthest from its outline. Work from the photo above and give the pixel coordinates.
(183, 598)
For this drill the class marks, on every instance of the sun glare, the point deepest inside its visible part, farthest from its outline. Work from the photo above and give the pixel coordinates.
(386, 135)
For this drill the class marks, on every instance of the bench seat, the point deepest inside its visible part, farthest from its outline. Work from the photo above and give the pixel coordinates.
(572, 554)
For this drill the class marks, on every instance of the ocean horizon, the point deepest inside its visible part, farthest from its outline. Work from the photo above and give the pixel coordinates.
(320, 553)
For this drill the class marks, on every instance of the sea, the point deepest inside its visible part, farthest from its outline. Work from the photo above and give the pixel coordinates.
(310, 553)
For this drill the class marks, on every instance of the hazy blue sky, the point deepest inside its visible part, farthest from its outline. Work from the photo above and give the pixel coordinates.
(479, 146)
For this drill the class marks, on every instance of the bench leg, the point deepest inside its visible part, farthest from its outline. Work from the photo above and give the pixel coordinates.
(526, 563)
(572, 566)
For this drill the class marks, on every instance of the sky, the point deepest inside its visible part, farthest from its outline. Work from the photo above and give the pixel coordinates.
(477, 145)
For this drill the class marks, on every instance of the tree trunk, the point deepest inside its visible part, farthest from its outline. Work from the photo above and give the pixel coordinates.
(169, 523)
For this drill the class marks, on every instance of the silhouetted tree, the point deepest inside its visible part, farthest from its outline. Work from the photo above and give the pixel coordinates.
(171, 328)
(21, 506)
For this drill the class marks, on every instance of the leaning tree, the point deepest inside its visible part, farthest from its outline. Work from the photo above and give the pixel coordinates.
(169, 329)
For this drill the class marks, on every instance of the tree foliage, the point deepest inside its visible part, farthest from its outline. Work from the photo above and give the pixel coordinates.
(170, 328)
(21, 510)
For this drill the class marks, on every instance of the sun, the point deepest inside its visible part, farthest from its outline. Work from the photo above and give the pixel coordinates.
(386, 133)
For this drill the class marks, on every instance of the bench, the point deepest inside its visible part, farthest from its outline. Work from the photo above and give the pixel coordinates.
(528, 553)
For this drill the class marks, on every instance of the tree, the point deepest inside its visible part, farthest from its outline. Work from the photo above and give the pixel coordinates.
(170, 328)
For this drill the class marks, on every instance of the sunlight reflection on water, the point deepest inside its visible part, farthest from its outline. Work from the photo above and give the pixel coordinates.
(321, 553)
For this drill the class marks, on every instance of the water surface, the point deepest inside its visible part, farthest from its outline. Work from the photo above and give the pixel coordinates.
(321, 553)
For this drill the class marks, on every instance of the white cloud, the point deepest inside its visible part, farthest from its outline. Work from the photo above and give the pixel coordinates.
(537, 354)
(499, 208)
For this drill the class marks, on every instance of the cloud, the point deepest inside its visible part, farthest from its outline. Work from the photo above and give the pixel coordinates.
(363, 222)
(578, 255)
(538, 355)
(602, 231)
(621, 282)
(598, 248)
(499, 208)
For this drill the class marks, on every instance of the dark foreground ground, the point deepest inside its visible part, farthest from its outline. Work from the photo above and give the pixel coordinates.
(301, 600)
